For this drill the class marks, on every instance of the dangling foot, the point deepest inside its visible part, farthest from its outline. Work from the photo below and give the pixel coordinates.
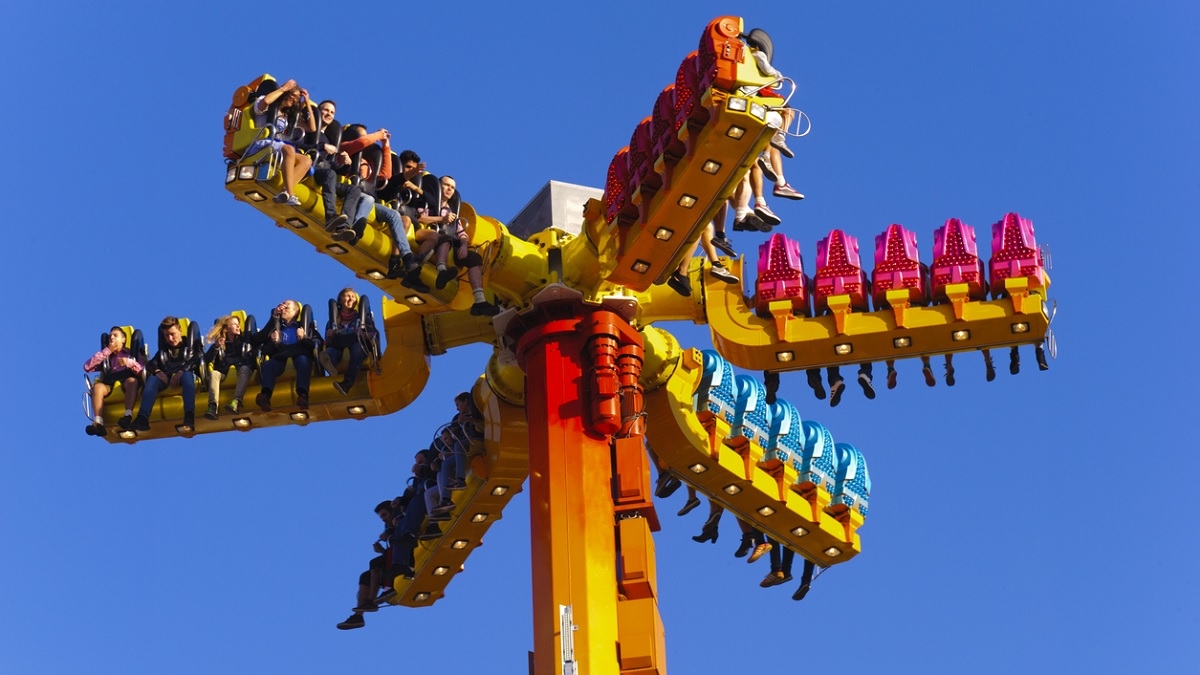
(1039, 353)
(949, 375)
(708, 533)
(444, 277)
(814, 381)
(484, 309)
(211, 413)
(746, 546)
(1014, 362)
(689, 506)
(835, 393)
(680, 284)
(355, 621)
(927, 371)
(759, 551)
(891, 378)
(724, 245)
(864, 380)
(800, 592)
(719, 271)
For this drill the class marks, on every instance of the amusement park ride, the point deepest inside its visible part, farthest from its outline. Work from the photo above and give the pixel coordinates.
(581, 383)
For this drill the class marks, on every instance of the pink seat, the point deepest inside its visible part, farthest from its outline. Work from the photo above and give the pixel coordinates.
(641, 165)
(781, 275)
(956, 261)
(1014, 253)
(666, 144)
(898, 267)
(839, 271)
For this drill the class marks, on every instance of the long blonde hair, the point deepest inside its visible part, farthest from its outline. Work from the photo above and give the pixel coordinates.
(219, 327)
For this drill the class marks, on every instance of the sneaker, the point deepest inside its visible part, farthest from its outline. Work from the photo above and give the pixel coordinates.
(740, 225)
(445, 506)
(764, 163)
(413, 280)
(431, 532)
(342, 387)
(764, 212)
(779, 142)
(141, 423)
(234, 406)
(787, 192)
(689, 506)
(263, 401)
(355, 621)
(928, 373)
(724, 245)
(211, 413)
(302, 401)
(95, 430)
(949, 375)
(680, 284)
(891, 379)
(292, 200)
(835, 393)
(1040, 356)
(864, 381)
(445, 276)
(343, 234)
(773, 578)
(666, 485)
(125, 422)
(759, 551)
(456, 484)
(189, 423)
(757, 223)
(338, 222)
(281, 198)
(484, 309)
(327, 363)
(800, 592)
(718, 270)
(991, 370)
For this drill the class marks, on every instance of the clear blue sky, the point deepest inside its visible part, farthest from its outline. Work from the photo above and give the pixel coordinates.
(1040, 523)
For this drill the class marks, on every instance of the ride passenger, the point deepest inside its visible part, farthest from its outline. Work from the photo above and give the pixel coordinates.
(344, 335)
(291, 99)
(123, 367)
(228, 351)
(284, 338)
(452, 232)
(330, 164)
(370, 581)
(679, 280)
(173, 366)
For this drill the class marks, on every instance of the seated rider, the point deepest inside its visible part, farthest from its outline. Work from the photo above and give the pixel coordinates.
(228, 352)
(173, 366)
(452, 232)
(284, 338)
(286, 101)
(344, 335)
(123, 367)
(370, 581)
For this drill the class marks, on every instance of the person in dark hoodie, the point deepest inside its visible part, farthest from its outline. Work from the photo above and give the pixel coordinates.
(173, 366)
(284, 338)
(230, 350)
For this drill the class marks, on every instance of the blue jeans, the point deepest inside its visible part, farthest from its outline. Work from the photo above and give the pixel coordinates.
(357, 355)
(155, 385)
(360, 205)
(274, 366)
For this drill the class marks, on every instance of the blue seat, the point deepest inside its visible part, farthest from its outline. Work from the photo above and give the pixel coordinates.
(853, 486)
(786, 442)
(752, 417)
(818, 463)
(717, 393)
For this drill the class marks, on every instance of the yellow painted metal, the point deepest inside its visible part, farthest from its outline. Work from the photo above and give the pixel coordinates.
(498, 469)
(785, 342)
(734, 478)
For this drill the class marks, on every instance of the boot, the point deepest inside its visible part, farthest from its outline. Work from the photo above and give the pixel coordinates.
(709, 532)
(949, 375)
(771, 381)
(666, 485)
(814, 381)
(1014, 361)
(746, 546)
(1039, 353)
(991, 368)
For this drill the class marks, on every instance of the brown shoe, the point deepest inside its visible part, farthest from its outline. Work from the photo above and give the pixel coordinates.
(759, 551)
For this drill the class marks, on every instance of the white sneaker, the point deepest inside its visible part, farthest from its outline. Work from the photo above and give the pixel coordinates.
(718, 270)
(779, 142)
(292, 200)
(787, 192)
(764, 163)
(767, 216)
(280, 198)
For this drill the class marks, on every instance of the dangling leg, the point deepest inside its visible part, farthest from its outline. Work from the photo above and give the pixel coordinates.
(927, 371)
(949, 370)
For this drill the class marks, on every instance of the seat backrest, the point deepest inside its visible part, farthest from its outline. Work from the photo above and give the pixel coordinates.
(1015, 252)
(686, 95)
(781, 275)
(818, 460)
(240, 130)
(853, 486)
(717, 392)
(615, 193)
(839, 271)
(898, 266)
(721, 50)
(752, 417)
(786, 442)
(956, 261)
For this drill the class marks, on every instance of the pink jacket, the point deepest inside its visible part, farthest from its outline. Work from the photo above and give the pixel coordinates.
(121, 360)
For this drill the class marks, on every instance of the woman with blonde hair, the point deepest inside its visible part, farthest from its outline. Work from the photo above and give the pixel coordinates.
(230, 348)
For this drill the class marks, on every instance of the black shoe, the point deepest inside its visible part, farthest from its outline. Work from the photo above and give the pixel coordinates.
(689, 506)
(891, 378)
(413, 280)
(666, 485)
(991, 369)
(95, 430)
(1040, 354)
(342, 388)
(431, 532)
(927, 371)
(302, 401)
(1014, 362)
(455, 484)
(755, 222)
(141, 423)
(949, 375)
(395, 267)
(801, 592)
(771, 383)
(746, 546)
(835, 393)
(344, 233)
(337, 222)
(864, 381)
(211, 413)
(814, 381)
(125, 422)
(444, 507)
(444, 277)
(680, 284)
(724, 245)
(740, 225)
(355, 621)
(189, 418)
(709, 533)
(484, 309)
